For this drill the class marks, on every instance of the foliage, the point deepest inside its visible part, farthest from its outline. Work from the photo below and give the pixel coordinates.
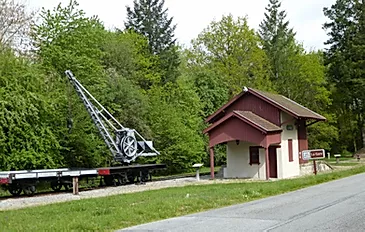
(174, 118)
(231, 49)
(283, 52)
(128, 53)
(278, 42)
(127, 103)
(208, 85)
(345, 61)
(297, 74)
(27, 139)
(67, 39)
(150, 19)
(164, 92)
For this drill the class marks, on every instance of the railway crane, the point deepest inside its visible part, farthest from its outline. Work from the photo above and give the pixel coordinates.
(125, 144)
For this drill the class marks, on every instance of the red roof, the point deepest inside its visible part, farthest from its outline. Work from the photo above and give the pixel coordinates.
(249, 118)
(279, 101)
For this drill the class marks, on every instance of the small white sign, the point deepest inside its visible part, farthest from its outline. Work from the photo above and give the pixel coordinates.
(306, 155)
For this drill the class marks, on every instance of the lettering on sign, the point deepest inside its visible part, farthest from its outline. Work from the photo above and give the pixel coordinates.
(313, 154)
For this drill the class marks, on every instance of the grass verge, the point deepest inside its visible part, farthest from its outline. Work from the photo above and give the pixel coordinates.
(120, 211)
(343, 164)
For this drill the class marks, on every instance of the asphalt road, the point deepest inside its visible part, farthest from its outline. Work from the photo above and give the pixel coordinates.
(334, 206)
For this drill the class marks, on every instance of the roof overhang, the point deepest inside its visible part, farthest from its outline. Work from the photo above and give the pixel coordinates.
(268, 100)
(243, 119)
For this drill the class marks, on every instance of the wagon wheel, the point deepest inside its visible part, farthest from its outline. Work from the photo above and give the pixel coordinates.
(129, 146)
(145, 176)
(29, 190)
(122, 179)
(109, 180)
(15, 190)
(56, 186)
(131, 178)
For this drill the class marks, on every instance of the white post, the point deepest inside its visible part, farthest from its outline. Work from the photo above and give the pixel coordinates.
(197, 167)
(76, 185)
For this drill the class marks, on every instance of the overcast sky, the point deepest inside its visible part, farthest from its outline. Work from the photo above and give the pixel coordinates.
(192, 16)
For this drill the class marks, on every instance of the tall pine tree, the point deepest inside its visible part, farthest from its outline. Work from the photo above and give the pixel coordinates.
(346, 64)
(278, 39)
(149, 18)
(296, 73)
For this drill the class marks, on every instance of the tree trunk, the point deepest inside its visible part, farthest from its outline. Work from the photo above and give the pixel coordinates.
(355, 145)
(363, 135)
(362, 128)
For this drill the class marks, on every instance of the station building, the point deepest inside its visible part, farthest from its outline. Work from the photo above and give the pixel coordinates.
(264, 133)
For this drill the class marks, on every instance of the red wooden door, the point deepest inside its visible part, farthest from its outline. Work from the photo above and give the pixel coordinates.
(273, 162)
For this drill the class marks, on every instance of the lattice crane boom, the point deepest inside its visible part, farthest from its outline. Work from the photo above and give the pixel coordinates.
(124, 143)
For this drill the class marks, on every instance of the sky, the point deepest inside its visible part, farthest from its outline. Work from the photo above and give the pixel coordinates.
(192, 16)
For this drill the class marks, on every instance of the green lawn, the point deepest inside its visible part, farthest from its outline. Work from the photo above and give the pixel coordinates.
(120, 211)
(203, 171)
(344, 164)
(342, 158)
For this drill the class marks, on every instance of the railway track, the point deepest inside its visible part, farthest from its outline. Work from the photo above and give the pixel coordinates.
(83, 188)
(46, 197)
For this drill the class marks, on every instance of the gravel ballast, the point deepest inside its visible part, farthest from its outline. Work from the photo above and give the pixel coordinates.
(17, 203)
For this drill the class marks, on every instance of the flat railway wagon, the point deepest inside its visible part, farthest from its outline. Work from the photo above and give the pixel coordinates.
(125, 145)
(26, 181)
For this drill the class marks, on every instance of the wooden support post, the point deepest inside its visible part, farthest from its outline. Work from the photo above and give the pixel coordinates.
(211, 151)
(315, 167)
(75, 185)
(267, 163)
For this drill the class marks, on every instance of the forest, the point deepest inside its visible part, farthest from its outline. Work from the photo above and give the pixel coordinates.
(165, 91)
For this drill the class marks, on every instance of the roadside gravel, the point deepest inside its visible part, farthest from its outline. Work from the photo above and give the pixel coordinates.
(23, 202)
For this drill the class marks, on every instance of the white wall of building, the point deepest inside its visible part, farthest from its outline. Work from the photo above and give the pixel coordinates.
(238, 156)
(238, 162)
(285, 168)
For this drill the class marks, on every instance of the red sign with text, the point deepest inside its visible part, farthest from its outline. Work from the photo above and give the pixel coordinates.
(313, 154)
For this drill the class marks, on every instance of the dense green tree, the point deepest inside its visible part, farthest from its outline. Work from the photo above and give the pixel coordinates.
(281, 49)
(174, 119)
(212, 91)
(128, 54)
(232, 50)
(296, 73)
(27, 136)
(345, 62)
(67, 39)
(127, 103)
(278, 40)
(150, 19)
(357, 51)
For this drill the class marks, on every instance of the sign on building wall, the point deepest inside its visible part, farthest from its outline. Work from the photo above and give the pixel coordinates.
(313, 154)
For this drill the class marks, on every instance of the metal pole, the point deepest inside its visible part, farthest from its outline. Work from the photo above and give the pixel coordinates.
(315, 167)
